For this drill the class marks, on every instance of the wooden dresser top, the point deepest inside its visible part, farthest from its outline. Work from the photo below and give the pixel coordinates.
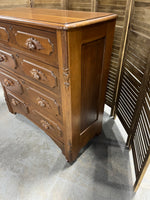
(59, 19)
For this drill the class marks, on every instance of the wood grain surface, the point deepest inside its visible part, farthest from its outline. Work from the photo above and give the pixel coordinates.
(63, 19)
(56, 77)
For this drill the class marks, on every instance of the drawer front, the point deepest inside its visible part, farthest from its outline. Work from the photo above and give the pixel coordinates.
(48, 125)
(34, 42)
(40, 73)
(7, 60)
(11, 83)
(4, 35)
(47, 105)
(18, 106)
(39, 44)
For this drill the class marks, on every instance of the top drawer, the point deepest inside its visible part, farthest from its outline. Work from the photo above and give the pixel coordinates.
(41, 45)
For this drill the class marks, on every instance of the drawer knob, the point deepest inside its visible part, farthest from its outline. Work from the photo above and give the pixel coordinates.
(8, 82)
(41, 103)
(35, 74)
(33, 44)
(3, 58)
(14, 102)
(45, 124)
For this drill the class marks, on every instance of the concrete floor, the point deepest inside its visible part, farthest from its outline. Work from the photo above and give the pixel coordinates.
(32, 167)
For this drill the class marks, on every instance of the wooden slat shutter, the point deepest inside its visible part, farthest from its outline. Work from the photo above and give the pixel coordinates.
(14, 3)
(134, 67)
(122, 9)
(84, 5)
(53, 4)
(133, 106)
(140, 141)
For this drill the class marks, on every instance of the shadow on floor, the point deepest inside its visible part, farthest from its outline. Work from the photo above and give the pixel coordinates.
(112, 169)
(33, 167)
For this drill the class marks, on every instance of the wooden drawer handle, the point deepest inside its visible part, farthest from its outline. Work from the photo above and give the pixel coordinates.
(8, 82)
(41, 103)
(35, 74)
(45, 124)
(38, 75)
(3, 58)
(14, 102)
(33, 44)
(55, 128)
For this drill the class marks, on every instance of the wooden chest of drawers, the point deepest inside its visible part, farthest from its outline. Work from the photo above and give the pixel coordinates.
(54, 68)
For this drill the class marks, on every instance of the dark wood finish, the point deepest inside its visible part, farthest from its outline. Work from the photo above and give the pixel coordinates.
(54, 70)
(91, 73)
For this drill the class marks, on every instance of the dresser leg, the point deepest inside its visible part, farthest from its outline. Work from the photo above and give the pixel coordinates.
(68, 157)
(71, 156)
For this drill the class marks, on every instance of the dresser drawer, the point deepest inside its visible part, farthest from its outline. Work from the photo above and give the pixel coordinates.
(49, 126)
(18, 106)
(48, 105)
(7, 59)
(11, 83)
(40, 73)
(35, 43)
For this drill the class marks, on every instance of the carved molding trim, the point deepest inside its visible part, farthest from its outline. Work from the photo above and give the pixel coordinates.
(45, 124)
(15, 102)
(66, 75)
(52, 46)
(42, 102)
(3, 58)
(38, 75)
(33, 44)
(8, 82)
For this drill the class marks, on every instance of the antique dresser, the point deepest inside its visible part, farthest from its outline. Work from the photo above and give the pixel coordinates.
(53, 68)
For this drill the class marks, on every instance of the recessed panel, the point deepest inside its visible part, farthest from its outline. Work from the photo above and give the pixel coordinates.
(92, 58)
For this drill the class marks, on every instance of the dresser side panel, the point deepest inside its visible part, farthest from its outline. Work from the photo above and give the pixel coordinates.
(64, 75)
(88, 60)
(91, 66)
